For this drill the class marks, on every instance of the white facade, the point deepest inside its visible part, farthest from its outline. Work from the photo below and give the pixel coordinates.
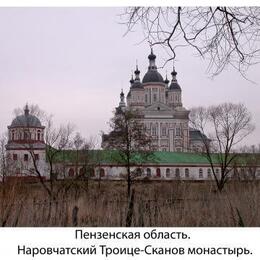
(160, 102)
(25, 150)
(163, 172)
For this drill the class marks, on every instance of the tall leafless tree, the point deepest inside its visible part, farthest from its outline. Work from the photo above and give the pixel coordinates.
(227, 125)
(250, 159)
(129, 139)
(3, 159)
(222, 35)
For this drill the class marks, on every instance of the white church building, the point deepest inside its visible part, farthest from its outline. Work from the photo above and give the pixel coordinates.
(165, 118)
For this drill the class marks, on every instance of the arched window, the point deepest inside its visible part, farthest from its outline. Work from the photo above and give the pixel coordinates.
(163, 131)
(178, 131)
(102, 172)
(154, 97)
(12, 135)
(209, 173)
(158, 172)
(200, 173)
(177, 173)
(39, 135)
(168, 173)
(187, 173)
(148, 172)
(15, 157)
(154, 130)
(71, 172)
(138, 172)
(82, 171)
(26, 135)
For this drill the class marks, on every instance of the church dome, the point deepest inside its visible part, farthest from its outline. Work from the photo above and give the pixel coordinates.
(174, 84)
(26, 120)
(152, 76)
(136, 83)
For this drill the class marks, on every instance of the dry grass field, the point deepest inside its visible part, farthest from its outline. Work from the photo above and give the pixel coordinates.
(77, 203)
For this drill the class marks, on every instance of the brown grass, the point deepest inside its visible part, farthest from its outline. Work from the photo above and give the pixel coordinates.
(155, 204)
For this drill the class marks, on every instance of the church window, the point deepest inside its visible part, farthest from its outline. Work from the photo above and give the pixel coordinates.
(154, 97)
(209, 173)
(178, 131)
(102, 172)
(38, 135)
(168, 173)
(200, 173)
(138, 172)
(26, 157)
(153, 130)
(71, 172)
(26, 135)
(187, 173)
(148, 172)
(158, 172)
(177, 173)
(217, 172)
(36, 156)
(82, 171)
(13, 135)
(146, 98)
(15, 157)
(164, 131)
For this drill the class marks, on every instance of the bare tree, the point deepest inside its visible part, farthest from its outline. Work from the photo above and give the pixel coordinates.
(228, 124)
(3, 159)
(85, 158)
(250, 159)
(129, 139)
(34, 110)
(222, 35)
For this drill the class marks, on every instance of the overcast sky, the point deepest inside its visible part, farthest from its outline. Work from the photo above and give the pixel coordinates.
(73, 62)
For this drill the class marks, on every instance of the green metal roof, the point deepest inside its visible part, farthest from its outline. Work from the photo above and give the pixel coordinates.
(113, 157)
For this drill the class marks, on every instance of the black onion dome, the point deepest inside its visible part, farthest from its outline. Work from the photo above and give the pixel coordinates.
(166, 81)
(152, 76)
(136, 84)
(175, 86)
(152, 56)
(26, 121)
(131, 81)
